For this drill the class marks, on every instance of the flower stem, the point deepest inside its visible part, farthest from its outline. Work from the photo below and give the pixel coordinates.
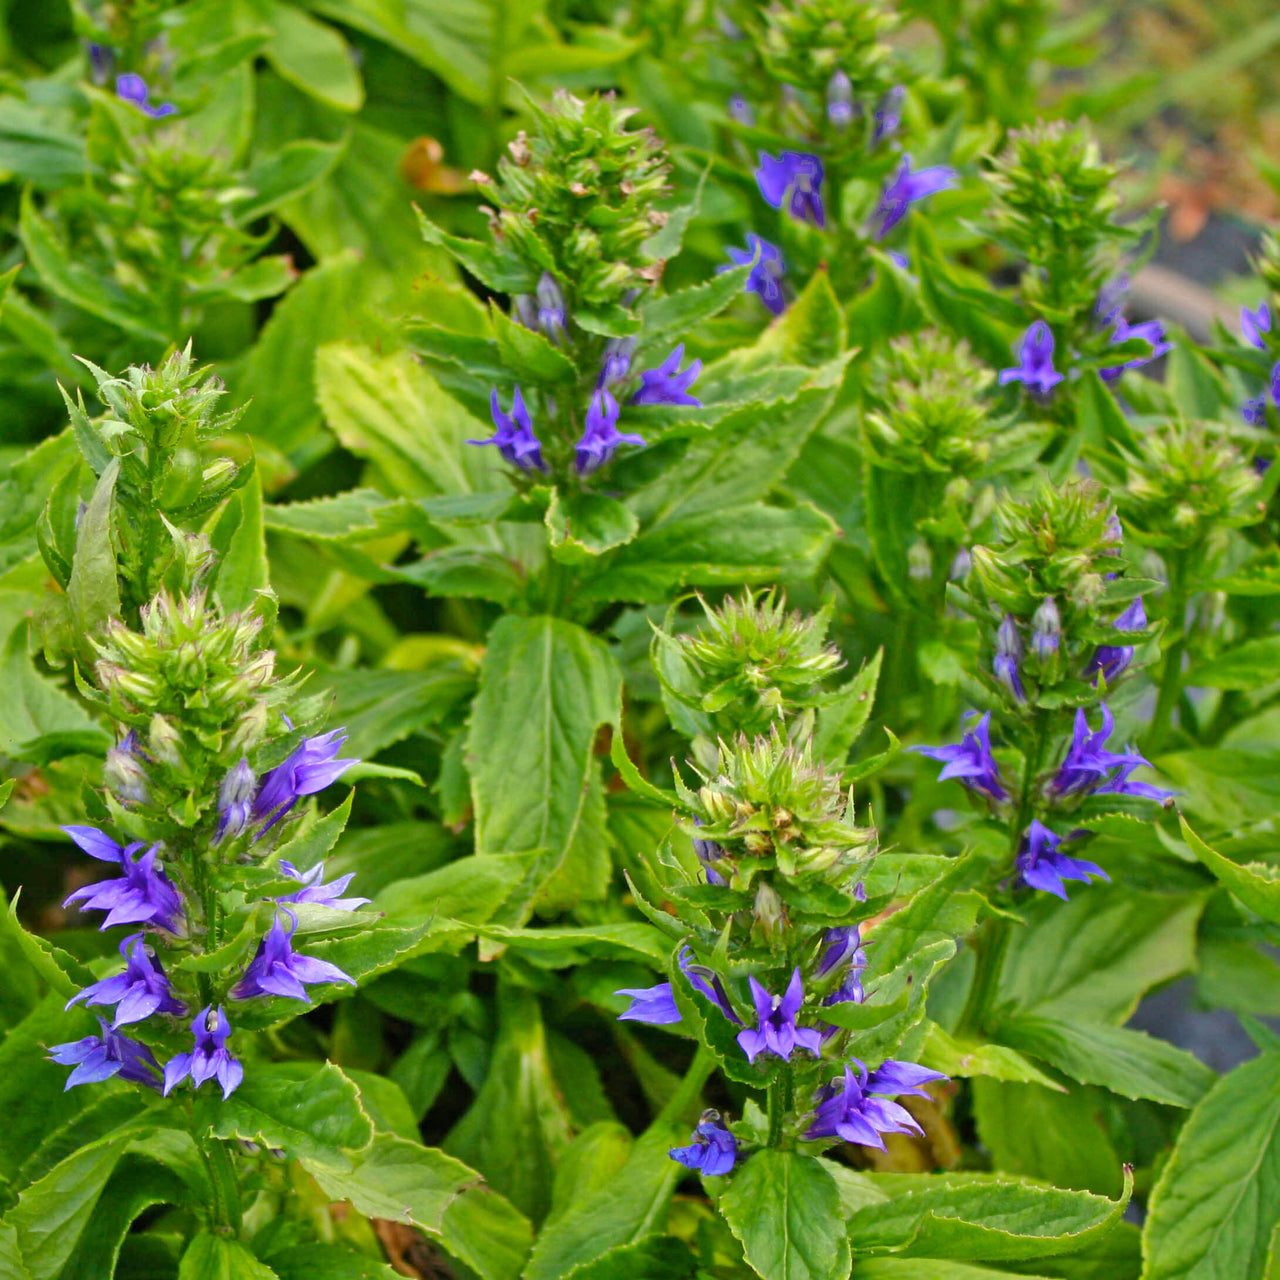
(685, 1098)
(780, 1103)
(1171, 676)
(224, 1211)
(990, 945)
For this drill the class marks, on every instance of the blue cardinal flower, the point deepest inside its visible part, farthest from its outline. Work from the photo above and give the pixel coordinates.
(313, 890)
(1088, 763)
(277, 970)
(1035, 362)
(777, 1032)
(210, 1059)
(843, 945)
(655, 1005)
(235, 800)
(513, 434)
(766, 275)
(846, 1109)
(793, 178)
(1046, 630)
(1255, 410)
(906, 188)
(1151, 331)
(143, 895)
(308, 769)
(98, 1058)
(709, 852)
(970, 761)
(894, 1079)
(1255, 325)
(132, 88)
(1111, 659)
(601, 437)
(668, 383)
(713, 1150)
(706, 982)
(741, 111)
(1041, 866)
(141, 990)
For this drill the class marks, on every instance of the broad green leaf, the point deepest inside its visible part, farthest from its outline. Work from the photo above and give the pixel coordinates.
(283, 175)
(1256, 885)
(379, 708)
(241, 572)
(502, 273)
(628, 939)
(518, 1125)
(469, 890)
(1246, 666)
(589, 1162)
(1093, 958)
(318, 1117)
(353, 514)
(979, 1058)
(1214, 1211)
(927, 1269)
(546, 688)
(93, 592)
(985, 1218)
(1130, 1063)
(844, 715)
(307, 845)
(11, 1256)
(1037, 1132)
(473, 573)
(35, 708)
(311, 55)
(408, 1183)
(328, 1262)
(812, 329)
(528, 356)
(1225, 787)
(785, 1209)
(215, 1257)
(664, 1256)
(1197, 388)
(584, 525)
(1099, 419)
(668, 319)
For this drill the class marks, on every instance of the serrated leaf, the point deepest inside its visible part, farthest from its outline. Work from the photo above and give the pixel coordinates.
(93, 592)
(501, 273)
(668, 319)
(843, 716)
(526, 354)
(584, 525)
(217, 1257)
(973, 1058)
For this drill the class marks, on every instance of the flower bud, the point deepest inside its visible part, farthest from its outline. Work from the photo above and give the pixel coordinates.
(125, 776)
(551, 308)
(718, 806)
(840, 100)
(1008, 655)
(250, 728)
(770, 916)
(919, 561)
(525, 310)
(1046, 630)
(164, 738)
(235, 799)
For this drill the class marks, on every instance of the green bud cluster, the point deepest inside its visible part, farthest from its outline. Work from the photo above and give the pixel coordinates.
(752, 664)
(575, 198)
(1056, 208)
(1187, 486)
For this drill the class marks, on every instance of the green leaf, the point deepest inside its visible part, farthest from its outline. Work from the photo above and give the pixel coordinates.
(93, 592)
(379, 708)
(10, 1256)
(283, 174)
(526, 355)
(472, 573)
(501, 273)
(844, 715)
(328, 1262)
(1214, 1211)
(971, 1058)
(311, 55)
(518, 1125)
(546, 687)
(928, 1269)
(812, 329)
(668, 319)
(407, 1183)
(1099, 419)
(1257, 885)
(469, 890)
(785, 1209)
(318, 1118)
(664, 1256)
(215, 1257)
(1130, 1063)
(584, 525)
(985, 1218)
(628, 939)
(1247, 666)
(241, 570)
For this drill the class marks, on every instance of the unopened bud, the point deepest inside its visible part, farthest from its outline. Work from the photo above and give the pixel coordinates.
(740, 111)
(1046, 630)
(126, 777)
(550, 308)
(919, 562)
(525, 310)
(769, 914)
(718, 806)
(250, 728)
(960, 565)
(840, 100)
(163, 740)
(1008, 655)
(235, 799)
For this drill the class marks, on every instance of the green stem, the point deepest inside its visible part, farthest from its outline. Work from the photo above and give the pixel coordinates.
(1171, 676)
(990, 945)
(225, 1185)
(690, 1088)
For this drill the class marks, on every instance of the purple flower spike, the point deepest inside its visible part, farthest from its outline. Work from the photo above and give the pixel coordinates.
(713, 1150)
(98, 1058)
(846, 1110)
(794, 177)
(514, 435)
(766, 276)
(324, 895)
(141, 990)
(1041, 866)
(142, 895)
(1035, 368)
(707, 982)
(277, 970)
(655, 1005)
(896, 1078)
(888, 114)
(210, 1059)
(970, 760)
(1112, 659)
(1088, 762)
(1255, 324)
(778, 1033)
(601, 438)
(906, 188)
(308, 769)
(668, 383)
(132, 88)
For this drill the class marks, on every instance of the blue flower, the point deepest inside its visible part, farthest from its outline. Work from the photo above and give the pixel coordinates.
(235, 800)
(601, 437)
(904, 189)
(1255, 324)
(766, 275)
(1255, 410)
(707, 982)
(514, 435)
(846, 1109)
(210, 1059)
(308, 769)
(777, 1033)
(796, 178)
(1006, 663)
(324, 895)
(277, 970)
(668, 383)
(840, 108)
(100, 1057)
(1035, 368)
(893, 1079)
(132, 88)
(888, 115)
(143, 895)
(1151, 331)
(1088, 762)
(123, 772)
(713, 1150)
(616, 363)
(1041, 866)
(741, 111)
(709, 852)
(1111, 659)
(141, 990)
(655, 1005)
(970, 760)
(843, 945)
